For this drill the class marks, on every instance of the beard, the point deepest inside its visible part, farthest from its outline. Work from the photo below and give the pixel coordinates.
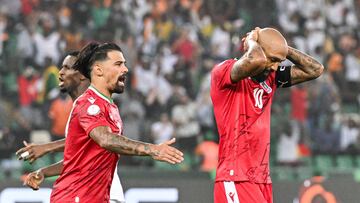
(118, 89)
(119, 86)
(63, 90)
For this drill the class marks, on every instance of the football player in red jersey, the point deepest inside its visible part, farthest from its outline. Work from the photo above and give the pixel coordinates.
(95, 132)
(73, 83)
(242, 91)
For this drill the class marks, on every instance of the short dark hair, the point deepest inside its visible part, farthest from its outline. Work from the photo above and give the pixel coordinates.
(93, 52)
(73, 53)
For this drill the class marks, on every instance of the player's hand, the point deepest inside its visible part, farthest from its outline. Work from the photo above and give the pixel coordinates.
(34, 179)
(164, 152)
(31, 152)
(253, 35)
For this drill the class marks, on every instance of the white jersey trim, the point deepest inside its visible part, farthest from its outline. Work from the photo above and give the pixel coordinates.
(68, 120)
(116, 190)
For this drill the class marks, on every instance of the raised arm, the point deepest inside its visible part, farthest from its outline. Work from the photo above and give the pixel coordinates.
(103, 136)
(32, 151)
(305, 67)
(34, 179)
(252, 62)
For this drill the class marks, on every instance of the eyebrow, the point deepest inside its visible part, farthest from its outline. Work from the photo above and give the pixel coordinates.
(119, 62)
(277, 59)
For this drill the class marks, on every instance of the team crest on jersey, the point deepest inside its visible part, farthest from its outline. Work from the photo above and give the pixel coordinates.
(266, 87)
(93, 110)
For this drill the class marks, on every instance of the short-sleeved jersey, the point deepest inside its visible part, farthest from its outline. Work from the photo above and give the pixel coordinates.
(88, 169)
(242, 113)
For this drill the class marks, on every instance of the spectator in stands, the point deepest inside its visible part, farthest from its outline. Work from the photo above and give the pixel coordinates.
(208, 153)
(187, 128)
(349, 134)
(162, 130)
(59, 113)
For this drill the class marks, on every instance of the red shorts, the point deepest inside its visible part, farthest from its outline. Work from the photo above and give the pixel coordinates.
(242, 192)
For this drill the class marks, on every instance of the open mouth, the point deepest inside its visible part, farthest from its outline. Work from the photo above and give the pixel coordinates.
(121, 80)
(61, 82)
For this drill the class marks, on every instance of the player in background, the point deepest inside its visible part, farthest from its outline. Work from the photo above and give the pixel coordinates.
(73, 83)
(242, 91)
(95, 131)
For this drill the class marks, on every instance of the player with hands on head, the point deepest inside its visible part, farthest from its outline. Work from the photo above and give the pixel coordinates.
(242, 91)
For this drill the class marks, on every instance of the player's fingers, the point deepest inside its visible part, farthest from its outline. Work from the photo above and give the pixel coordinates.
(20, 151)
(178, 157)
(32, 185)
(30, 157)
(28, 182)
(32, 160)
(25, 143)
(39, 176)
(174, 158)
(176, 151)
(170, 142)
(165, 159)
(24, 155)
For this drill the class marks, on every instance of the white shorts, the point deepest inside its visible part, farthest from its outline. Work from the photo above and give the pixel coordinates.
(116, 190)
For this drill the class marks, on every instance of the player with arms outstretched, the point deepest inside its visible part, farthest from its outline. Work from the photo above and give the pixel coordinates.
(242, 91)
(94, 131)
(73, 83)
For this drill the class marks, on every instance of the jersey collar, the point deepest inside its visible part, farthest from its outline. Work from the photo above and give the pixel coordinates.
(108, 99)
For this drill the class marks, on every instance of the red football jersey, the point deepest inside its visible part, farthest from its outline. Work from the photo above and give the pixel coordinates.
(242, 111)
(88, 168)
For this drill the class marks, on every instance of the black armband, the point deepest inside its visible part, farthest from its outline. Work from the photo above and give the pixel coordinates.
(283, 77)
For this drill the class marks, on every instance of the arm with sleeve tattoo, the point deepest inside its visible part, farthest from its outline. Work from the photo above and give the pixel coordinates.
(103, 136)
(250, 64)
(305, 67)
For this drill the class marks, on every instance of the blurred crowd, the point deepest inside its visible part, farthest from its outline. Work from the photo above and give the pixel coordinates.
(170, 47)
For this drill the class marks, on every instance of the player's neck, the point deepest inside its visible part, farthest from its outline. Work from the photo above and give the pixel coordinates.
(102, 90)
(79, 90)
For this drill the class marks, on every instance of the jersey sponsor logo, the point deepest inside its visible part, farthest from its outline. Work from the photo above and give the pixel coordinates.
(282, 68)
(266, 87)
(93, 110)
(258, 94)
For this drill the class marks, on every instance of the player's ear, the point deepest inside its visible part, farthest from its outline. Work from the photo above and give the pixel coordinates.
(82, 77)
(98, 70)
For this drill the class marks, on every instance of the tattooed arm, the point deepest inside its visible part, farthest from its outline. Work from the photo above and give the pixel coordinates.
(252, 62)
(305, 67)
(123, 145)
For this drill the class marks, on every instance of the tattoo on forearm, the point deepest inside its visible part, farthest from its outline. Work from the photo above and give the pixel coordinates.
(248, 64)
(121, 144)
(305, 67)
(301, 59)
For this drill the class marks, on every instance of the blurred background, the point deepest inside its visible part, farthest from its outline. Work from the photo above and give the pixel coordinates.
(171, 47)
